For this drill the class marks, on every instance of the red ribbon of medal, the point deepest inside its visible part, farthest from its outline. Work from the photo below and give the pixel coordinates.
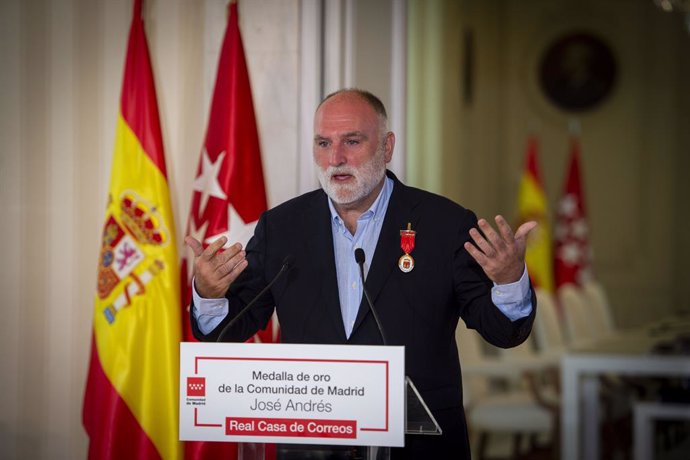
(406, 262)
(407, 239)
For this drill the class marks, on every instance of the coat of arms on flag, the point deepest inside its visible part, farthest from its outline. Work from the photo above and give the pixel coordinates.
(130, 227)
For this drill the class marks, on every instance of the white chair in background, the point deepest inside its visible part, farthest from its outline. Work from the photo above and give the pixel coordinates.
(493, 406)
(549, 336)
(600, 309)
(548, 327)
(577, 315)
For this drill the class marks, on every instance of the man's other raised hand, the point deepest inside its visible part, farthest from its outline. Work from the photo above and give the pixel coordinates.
(215, 270)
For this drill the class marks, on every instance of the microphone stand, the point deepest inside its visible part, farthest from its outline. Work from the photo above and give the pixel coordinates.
(359, 258)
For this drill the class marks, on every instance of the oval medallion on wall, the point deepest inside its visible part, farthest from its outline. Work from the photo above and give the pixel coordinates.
(577, 72)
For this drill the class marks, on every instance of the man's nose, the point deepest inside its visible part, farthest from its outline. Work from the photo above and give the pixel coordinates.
(337, 156)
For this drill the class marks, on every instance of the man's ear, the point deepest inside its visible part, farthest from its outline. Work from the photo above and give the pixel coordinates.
(388, 146)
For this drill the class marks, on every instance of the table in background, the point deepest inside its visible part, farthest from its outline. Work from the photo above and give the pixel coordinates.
(628, 353)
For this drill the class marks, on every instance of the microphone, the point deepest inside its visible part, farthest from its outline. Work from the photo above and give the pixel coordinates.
(359, 258)
(287, 264)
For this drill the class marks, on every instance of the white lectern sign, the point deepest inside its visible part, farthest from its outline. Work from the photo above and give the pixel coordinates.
(288, 393)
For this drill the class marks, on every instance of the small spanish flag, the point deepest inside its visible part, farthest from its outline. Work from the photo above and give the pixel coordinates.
(532, 205)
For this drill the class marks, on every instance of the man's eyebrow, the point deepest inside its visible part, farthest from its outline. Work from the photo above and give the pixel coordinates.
(355, 134)
(318, 137)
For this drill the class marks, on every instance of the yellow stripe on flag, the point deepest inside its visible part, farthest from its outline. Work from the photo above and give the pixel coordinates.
(137, 309)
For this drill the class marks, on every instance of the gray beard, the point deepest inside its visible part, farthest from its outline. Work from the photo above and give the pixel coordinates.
(367, 177)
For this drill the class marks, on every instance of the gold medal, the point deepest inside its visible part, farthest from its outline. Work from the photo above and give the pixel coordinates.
(406, 263)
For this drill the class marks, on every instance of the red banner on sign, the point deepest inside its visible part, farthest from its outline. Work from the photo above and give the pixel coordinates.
(302, 428)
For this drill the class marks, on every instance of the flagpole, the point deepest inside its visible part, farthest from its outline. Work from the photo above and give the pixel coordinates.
(574, 127)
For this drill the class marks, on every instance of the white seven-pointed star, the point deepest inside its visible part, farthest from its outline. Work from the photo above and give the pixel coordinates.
(561, 231)
(568, 205)
(571, 253)
(580, 229)
(198, 234)
(207, 181)
(238, 229)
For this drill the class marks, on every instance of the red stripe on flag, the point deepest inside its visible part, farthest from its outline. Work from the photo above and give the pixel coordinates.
(114, 432)
(138, 98)
(210, 450)
(532, 164)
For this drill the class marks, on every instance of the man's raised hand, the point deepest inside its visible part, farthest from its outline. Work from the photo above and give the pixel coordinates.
(500, 254)
(214, 270)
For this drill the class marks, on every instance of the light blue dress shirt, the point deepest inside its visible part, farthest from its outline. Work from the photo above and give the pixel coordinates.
(344, 244)
(512, 299)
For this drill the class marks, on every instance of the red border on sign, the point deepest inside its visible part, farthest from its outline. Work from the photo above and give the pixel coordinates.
(196, 421)
(353, 361)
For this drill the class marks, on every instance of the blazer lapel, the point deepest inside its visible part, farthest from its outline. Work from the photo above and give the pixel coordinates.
(320, 250)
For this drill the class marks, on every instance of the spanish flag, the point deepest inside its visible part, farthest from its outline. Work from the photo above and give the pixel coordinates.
(131, 399)
(532, 205)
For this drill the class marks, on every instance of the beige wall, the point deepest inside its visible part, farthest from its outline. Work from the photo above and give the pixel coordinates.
(635, 146)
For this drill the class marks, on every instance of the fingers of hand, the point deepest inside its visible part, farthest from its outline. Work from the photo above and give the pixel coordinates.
(228, 260)
(492, 236)
(216, 270)
(524, 229)
(500, 254)
(194, 245)
(504, 228)
(481, 242)
(234, 272)
(213, 248)
(212, 258)
(476, 254)
(497, 249)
